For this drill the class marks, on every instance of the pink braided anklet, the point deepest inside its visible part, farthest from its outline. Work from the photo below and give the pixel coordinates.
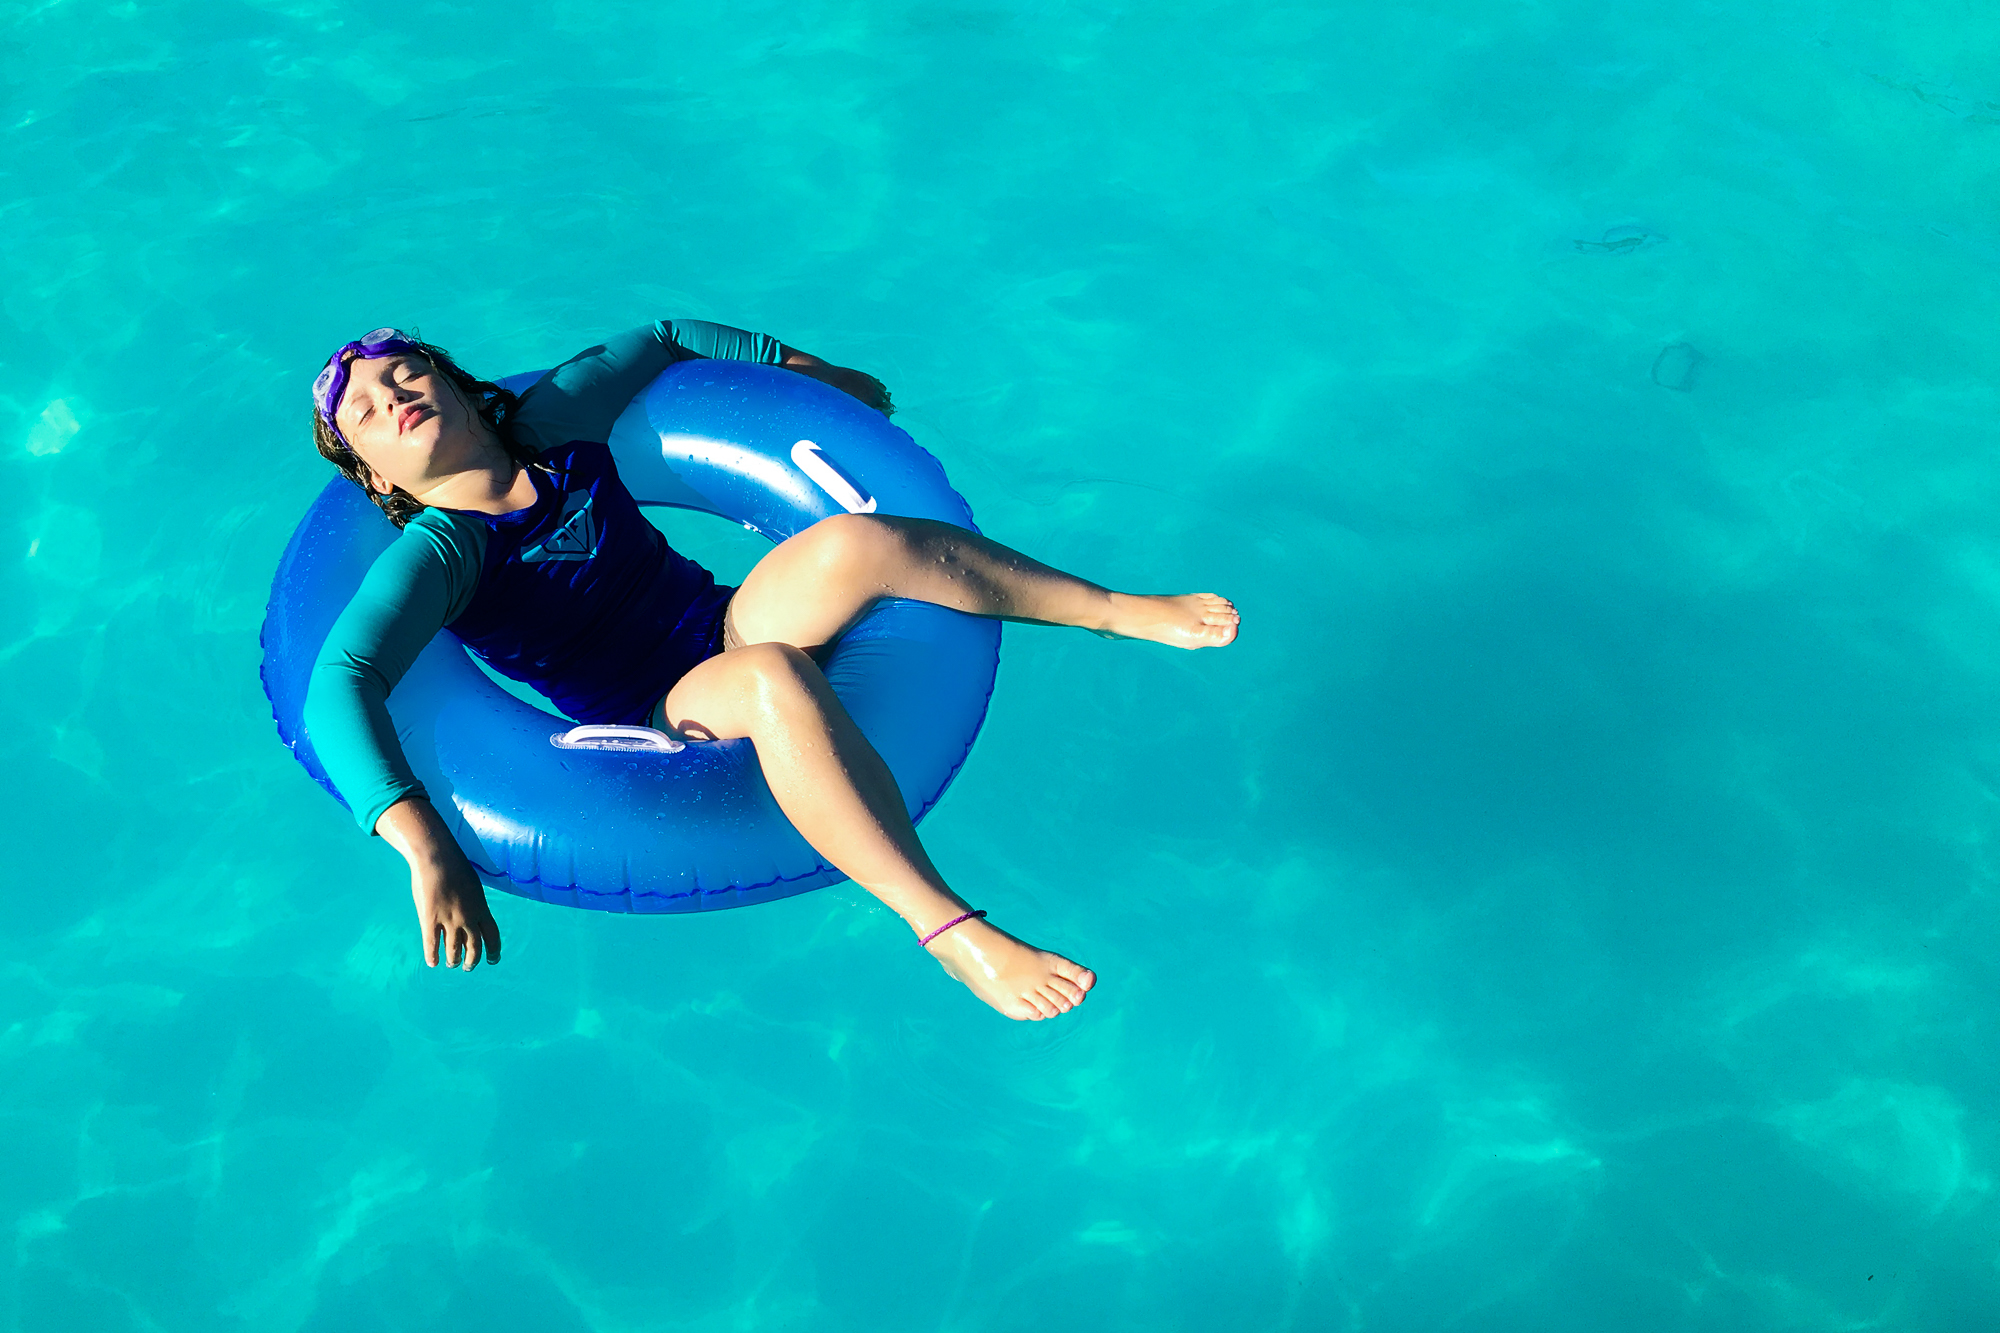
(957, 920)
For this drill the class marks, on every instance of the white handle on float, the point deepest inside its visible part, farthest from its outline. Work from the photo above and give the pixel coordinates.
(605, 736)
(806, 455)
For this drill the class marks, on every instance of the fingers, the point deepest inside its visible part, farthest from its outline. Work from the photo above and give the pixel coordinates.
(463, 945)
(448, 942)
(458, 928)
(479, 938)
(463, 942)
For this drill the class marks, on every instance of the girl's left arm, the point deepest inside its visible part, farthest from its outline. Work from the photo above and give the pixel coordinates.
(858, 383)
(724, 343)
(582, 397)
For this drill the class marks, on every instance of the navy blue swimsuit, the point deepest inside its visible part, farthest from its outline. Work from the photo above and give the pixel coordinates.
(581, 598)
(577, 595)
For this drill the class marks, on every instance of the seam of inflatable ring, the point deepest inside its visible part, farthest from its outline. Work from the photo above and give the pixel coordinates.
(628, 892)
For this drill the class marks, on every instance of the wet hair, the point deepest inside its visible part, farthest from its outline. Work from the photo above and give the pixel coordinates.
(494, 405)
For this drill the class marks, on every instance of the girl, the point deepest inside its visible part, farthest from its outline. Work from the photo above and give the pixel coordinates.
(517, 534)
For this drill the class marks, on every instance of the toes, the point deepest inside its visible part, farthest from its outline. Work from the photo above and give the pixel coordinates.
(1059, 988)
(1030, 1009)
(1216, 621)
(1077, 975)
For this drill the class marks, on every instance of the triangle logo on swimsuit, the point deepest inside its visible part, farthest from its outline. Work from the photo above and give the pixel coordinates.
(575, 537)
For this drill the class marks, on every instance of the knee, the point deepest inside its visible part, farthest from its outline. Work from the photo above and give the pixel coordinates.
(768, 667)
(858, 542)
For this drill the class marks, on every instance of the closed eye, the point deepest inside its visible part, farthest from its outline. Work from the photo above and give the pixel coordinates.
(408, 370)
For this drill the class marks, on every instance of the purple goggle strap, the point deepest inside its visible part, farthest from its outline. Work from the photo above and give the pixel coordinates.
(332, 381)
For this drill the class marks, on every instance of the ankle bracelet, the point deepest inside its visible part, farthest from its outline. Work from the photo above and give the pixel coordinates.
(957, 920)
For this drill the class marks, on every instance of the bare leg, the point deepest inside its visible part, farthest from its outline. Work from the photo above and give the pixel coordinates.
(814, 585)
(829, 781)
(841, 796)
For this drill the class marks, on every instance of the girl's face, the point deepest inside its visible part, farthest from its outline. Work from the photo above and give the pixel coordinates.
(406, 422)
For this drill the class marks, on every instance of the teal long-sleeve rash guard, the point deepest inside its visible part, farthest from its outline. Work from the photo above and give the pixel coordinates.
(428, 576)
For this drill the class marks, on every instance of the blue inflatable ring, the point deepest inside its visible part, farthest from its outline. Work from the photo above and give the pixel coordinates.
(646, 831)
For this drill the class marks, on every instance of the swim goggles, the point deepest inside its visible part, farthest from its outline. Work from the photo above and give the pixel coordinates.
(332, 381)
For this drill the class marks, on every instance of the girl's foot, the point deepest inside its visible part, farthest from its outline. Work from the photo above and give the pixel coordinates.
(1018, 979)
(1195, 620)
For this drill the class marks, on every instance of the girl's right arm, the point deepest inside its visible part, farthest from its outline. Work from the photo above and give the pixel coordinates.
(415, 588)
(450, 900)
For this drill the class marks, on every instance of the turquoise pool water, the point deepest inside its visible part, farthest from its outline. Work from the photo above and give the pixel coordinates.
(1571, 906)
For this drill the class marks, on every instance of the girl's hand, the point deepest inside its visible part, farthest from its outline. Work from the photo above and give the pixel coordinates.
(855, 383)
(451, 905)
(451, 902)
